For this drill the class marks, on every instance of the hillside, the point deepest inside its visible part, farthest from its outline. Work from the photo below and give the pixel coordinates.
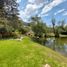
(26, 53)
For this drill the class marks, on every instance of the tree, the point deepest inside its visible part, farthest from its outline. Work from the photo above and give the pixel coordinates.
(53, 24)
(9, 20)
(62, 24)
(2, 12)
(38, 26)
(9, 10)
(39, 29)
(66, 28)
(53, 20)
(11, 7)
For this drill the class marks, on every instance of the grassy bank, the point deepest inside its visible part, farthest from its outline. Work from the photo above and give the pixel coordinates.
(27, 53)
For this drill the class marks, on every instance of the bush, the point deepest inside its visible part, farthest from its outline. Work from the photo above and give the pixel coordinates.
(16, 34)
(24, 29)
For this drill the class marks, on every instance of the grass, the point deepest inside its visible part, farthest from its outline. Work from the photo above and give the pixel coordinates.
(27, 53)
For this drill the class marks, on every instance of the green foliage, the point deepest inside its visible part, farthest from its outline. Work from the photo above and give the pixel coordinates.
(9, 20)
(38, 27)
(10, 13)
(66, 28)
(23, 28)
(61, 24)
(2, 12)
(7, 30)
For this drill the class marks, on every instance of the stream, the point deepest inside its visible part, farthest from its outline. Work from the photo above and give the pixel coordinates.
(57, 44)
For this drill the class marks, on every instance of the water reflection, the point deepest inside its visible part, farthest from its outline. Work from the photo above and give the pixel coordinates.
(57, 44)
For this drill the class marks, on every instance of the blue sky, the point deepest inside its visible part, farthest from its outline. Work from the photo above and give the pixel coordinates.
(46, 9)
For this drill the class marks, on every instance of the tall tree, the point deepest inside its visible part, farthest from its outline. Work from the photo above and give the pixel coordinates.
(11, 7)
(53, 20)
(62, 24)
(38, 26)
(2, 8)
(9, 10)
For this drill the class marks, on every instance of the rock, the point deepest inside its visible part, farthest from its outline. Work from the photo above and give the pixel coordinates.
(19, 39)
(46, 65)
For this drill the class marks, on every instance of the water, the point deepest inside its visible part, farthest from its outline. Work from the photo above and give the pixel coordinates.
(57, 44)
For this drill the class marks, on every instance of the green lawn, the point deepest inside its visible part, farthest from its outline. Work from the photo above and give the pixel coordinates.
(27, 53)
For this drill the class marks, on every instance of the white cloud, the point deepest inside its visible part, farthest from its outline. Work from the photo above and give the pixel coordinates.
(51, 5)
(18, 1)
(60, 11)
(31, 1)
(30, 8)
(39, 1)
(36, 1)
(33, 6)
(23, 16)
(28, 11)
(65, 13)
(44, 15)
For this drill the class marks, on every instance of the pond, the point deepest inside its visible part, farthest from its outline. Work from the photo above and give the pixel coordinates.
(57, 44)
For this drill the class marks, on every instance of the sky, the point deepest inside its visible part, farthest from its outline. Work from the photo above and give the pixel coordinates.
(46, 9)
